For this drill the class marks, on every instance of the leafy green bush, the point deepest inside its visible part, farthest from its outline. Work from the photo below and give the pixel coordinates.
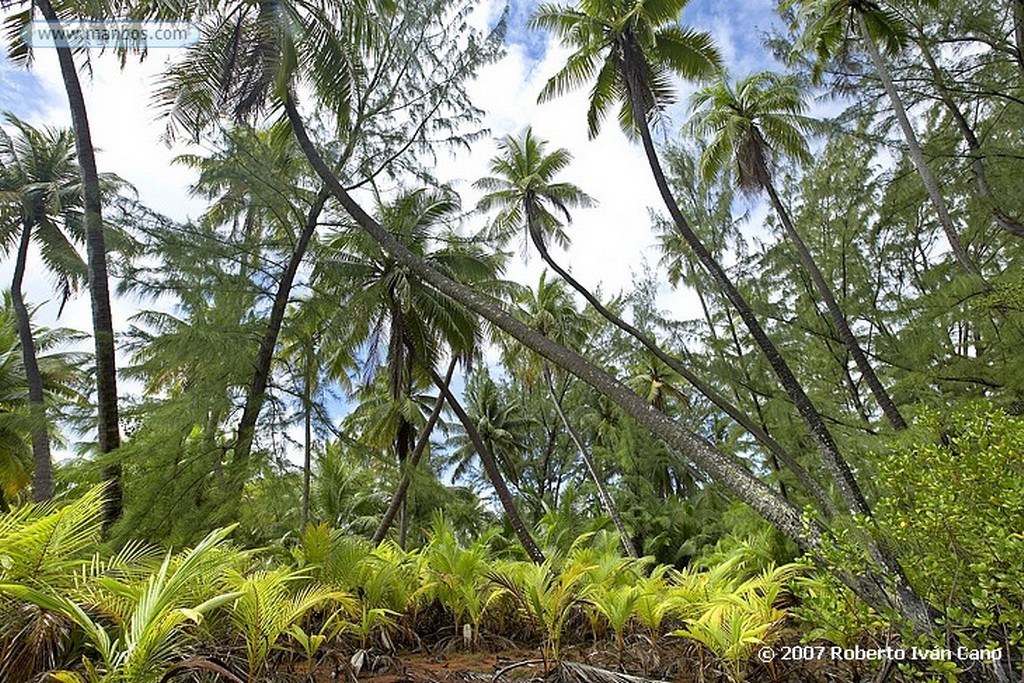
(952, 504)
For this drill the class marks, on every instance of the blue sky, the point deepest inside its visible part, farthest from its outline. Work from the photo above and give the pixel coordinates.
(610, 243)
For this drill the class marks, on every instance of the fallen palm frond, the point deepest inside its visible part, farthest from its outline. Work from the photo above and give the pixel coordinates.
(573, 672)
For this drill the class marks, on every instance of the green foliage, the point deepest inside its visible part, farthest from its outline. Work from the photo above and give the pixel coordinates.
(267, 605)
(952, 504)
(732, 618)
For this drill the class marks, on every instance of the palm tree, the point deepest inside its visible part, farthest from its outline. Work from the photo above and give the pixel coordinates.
(523, 191)
(109, 435)
(881, 30)
(389, 312)
(60, 373)
(750, 124)
(881, 587)
(40, 200)
(631, 50)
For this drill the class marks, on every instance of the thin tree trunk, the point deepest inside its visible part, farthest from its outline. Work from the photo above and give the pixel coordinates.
(882, 588)
(307, 425)
(398, 498)
(1017, 11)
(848, 488)
(885, 401)
(508, 503)
(42, 464)
(761, 435)
(265, 354)
(109, 435)
(602, 493)
(1000, 217)
(931, 185)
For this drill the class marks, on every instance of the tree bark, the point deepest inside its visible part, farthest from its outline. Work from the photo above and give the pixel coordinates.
(848, 488)
(602, 493)
(265, 354)
(776, 451)
(508, 503)
(398, 498)
(931, 185)
(722, 467)
(42, 463)
(307, 428)
(109, 435)
(885, 401)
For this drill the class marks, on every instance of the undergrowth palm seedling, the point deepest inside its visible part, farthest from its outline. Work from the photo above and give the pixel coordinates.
(268, 603)
(545, 596)
(151, 616)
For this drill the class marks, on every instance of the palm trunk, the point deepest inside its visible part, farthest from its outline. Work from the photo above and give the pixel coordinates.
(882, 588)
(508, 503)
(840, 470)
(775, 449)
(602, 493)
(931, 185)
(265, 355)
(109, 435)
(42, 469)
(885, 401)
(398, 498)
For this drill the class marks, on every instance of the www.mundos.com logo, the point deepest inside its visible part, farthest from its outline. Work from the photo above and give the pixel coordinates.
(110, 34)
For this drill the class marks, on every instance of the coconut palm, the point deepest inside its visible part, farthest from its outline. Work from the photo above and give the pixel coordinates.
(750, 124)
(523, 191)
(882, 32)
(361, 29)
(631, 50)
(40, 201)
(109, 435)
(404, 325)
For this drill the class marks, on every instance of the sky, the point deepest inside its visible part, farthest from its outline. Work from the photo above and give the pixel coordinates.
(611, 243)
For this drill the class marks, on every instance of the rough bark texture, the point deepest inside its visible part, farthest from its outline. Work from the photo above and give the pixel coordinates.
(265, 354)
(931, 185)
(42, 464)
(109, 435)
(885, 401)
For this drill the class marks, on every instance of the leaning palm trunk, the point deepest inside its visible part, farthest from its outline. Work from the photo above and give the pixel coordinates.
(850, 491)
(265, 355)
(931, 185)
(880, 586)
(42, 465)
(399, 496)
(900, 596)
(602, 493)
(774, 448)
(508, 503)
(885, 402)
(99, 292)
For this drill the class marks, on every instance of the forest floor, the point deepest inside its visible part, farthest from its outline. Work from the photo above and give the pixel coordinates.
(595, 666)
